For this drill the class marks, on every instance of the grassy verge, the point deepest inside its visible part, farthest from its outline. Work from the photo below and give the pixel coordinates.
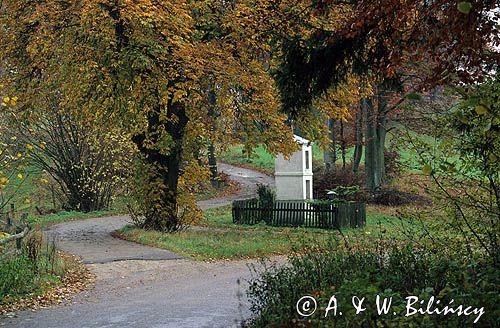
(219, 244)
(39, 277)
(42, 221)
(219, 238)
(29, 193)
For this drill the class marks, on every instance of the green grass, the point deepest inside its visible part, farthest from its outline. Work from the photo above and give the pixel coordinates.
(264, 161)
(23, 276)
(217, 244)
(221, 239)
(261, 161)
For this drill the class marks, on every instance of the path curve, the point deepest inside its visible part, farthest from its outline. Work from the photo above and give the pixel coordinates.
(140, 286)
(91, 238)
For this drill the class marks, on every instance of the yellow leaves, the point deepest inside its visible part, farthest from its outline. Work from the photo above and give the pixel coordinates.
(30, 147)
(19, 155)
(8, 100)
(427, 169)
(481, 109)
(27, 201)
(4, 180)
(178, 95)
(20, 176)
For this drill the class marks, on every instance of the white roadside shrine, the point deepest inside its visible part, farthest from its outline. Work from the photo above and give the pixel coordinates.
(294, 176)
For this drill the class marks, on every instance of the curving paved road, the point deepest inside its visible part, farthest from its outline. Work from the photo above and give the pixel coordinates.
(140, 286)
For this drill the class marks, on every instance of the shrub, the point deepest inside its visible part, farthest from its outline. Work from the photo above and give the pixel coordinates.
(266, 195)
(393, 197)
(345, 193)
(86, 162)
(330, 179)
(389, 272)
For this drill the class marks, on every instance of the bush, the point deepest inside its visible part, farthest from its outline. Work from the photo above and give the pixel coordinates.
(389, 272)
(266, 195)
(345, 193)
(393, 197)
(330, 179)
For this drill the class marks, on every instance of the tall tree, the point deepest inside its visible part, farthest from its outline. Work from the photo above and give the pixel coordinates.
(358, 149)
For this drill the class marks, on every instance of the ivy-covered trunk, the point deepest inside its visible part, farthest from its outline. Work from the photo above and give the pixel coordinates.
(372, 181)
(212, 163)
(162, 190)
(212, 158)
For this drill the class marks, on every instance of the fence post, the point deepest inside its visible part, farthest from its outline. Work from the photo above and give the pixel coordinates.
(19, 241)
(10, 216)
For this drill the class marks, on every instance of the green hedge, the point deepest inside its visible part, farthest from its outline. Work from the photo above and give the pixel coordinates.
(387, 272)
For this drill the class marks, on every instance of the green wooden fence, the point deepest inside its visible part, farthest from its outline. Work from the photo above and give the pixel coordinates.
(325, 215)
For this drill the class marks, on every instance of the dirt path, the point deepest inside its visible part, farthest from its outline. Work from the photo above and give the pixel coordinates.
(140, 286)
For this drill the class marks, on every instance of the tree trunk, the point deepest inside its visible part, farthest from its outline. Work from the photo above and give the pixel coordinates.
(372, 181)
(358, 149)
(343, 145)
(165, 218)
(330, 154)
(212, 162)
(382, 121)
(212, 159)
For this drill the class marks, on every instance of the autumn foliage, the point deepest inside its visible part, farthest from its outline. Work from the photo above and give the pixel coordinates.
(181, 76)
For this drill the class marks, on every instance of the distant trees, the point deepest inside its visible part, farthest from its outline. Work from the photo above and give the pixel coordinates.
(380, 41)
